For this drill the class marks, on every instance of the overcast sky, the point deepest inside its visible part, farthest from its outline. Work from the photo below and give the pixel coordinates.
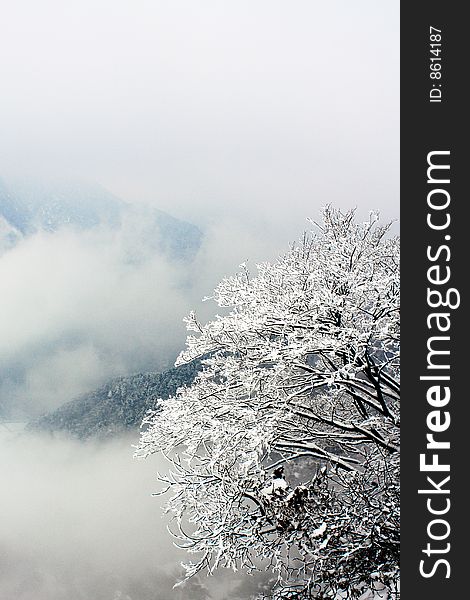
(207, 108)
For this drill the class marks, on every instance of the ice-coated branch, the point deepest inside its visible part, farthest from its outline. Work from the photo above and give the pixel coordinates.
(284, 451)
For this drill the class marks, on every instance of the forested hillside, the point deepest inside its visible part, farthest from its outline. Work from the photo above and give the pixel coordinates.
(117, 406)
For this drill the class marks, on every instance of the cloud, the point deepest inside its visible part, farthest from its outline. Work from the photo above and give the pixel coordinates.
(79, 523)
(78, 308)
(80, 518)
(63, 373)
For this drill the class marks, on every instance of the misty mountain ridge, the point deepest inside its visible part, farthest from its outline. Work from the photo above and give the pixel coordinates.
(90, 267)
(118, 406)
(28, 207)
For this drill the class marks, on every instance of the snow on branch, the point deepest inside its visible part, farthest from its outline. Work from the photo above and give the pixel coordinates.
(284, 451)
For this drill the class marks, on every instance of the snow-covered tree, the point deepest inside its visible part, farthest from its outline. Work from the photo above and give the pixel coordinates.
(284, 451)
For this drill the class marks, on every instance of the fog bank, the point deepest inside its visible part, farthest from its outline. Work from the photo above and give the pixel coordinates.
(78, 522)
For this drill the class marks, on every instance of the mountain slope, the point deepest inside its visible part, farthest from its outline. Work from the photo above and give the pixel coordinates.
(27, 207)
(117, 406)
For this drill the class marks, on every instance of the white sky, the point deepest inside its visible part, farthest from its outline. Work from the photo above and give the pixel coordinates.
(210, 109)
